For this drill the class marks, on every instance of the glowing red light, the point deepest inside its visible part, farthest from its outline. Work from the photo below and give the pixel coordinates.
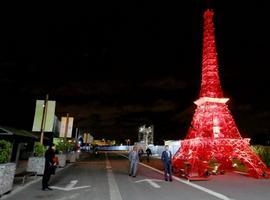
(213, 133)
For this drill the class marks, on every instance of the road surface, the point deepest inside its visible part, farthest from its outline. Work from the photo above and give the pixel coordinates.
(105, 177)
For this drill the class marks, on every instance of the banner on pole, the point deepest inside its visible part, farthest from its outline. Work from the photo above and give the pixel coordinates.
(88, 138)
(56, 125)
(49, 120)
(64, 125)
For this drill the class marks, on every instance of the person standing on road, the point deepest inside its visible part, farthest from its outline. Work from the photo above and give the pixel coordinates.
(166, 158)
(148, 152)
(133, 161)
(49, 166)
(140, 152)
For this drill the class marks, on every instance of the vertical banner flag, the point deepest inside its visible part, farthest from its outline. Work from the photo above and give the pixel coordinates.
(88, 138)
(64, 125)
(88, 141)
(85, 138)
(49, 120)
(70, 126)
(56, 125)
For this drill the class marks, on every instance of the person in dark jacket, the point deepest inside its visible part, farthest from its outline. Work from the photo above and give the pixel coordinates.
(148, 152)
(166, 158)
(140, 153)
(49, 167)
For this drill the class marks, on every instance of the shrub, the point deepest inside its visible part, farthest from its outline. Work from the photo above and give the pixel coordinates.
(263, 152)
(5, 151)
(238, 165)
(64, 146)
(39, 149)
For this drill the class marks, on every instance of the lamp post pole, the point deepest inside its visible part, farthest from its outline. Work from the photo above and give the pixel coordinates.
(66, 127)
(44, 116)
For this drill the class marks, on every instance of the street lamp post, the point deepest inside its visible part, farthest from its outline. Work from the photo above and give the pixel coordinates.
(44, 116)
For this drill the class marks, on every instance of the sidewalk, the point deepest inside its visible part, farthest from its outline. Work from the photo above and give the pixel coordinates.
(17, 183)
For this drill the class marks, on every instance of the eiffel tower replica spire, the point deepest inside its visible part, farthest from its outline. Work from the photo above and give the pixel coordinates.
(213, 134)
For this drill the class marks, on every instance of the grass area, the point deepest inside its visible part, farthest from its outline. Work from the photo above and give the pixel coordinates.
(239, 166)
(263, 152)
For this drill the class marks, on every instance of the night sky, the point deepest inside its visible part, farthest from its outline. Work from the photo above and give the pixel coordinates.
(117, 65)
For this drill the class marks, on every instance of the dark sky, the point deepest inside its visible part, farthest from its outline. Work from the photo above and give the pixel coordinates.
(117, 65)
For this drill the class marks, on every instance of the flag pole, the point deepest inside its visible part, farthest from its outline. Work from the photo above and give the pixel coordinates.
(44, 116)
(66, 127)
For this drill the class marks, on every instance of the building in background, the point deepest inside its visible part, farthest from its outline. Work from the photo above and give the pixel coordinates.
(104, 142)
(88, 138)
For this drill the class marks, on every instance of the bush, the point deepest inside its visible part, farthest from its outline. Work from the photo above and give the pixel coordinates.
(238, 165)
(5, 151)
(39, 149)
(64, 146)
(263, 152)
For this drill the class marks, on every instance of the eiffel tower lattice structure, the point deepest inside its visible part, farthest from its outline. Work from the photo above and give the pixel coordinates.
(213, 134)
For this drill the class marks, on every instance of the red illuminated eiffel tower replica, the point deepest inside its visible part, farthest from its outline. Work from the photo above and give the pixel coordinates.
(213, 135)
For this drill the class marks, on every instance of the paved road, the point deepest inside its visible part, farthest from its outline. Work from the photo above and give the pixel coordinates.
(239, 187)
(106, 178)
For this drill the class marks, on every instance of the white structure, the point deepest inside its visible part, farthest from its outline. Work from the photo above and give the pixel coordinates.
(146, 135)
(174, 145)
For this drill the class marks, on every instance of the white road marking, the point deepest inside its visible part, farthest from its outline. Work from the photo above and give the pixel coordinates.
(211, 192)
(70, 186)
(70, 197)
(113, 187)
(66, 189)
(151, 182)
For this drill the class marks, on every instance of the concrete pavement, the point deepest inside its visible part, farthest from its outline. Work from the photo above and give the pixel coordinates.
(106, 178)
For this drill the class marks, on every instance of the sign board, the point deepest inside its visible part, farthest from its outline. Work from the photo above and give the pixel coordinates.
(49, 120)
(66, 127)
(88, 138)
